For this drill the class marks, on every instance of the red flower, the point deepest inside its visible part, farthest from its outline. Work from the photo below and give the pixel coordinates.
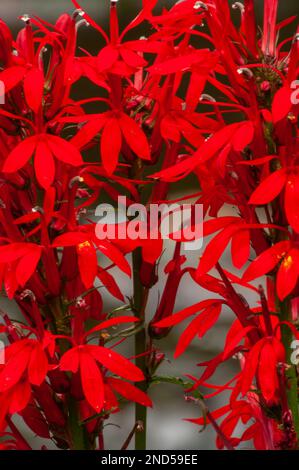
(287, 255)
(26, 364)
(45, 148)
(85, 243)
(122, 127)
(85, 359)
(264, 359)
(18, 262)
(272, 186)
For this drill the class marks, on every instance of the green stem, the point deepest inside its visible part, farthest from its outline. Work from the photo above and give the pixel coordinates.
(77, 432)
(291, 373)
(140, 348)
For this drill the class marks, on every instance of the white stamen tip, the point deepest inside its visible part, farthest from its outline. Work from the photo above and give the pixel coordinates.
(238, 6)
(206, 97)
(25, 18)
(38, 209)
(79, 12)
(199, 5)
(245, 71)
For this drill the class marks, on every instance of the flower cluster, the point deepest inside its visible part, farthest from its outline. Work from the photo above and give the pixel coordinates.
(202, 94)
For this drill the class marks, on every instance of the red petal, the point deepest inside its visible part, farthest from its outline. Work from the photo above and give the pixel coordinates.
(269, 188)
(206, 151)
(115, 255)
(70, 360)
(27, 265)
(12, 252)
(20, 396)
(20, 155)
(64, 151)
(151, 249)
(111, 285)
(181, 63)
(116, 363)
(111, 145)
(288, 274)
(112, 322)
(178, 317)
(266, 261)
(34, 88)
(135, 137)
(44, 165)
(282, 104)
(131, 58)
(12, 76)
(240, 248)
(88, 263)
(292, 201)
(215, 414)
(214, 250)
(199, 326)
(106, 58)
(251, 364)
(88, 132)
(169, 129)
(38, 366)
(243, 136)
(70, 239)
(233, 340)
(14, 368)
(267, 372)
(130, 392)
(92, 382)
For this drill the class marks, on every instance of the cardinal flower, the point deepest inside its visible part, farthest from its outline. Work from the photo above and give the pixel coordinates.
(18, 262)
(286, 179)
(284, 253)
(26, 364)
(86, 358)
(263, 360)
(121, 57)
(86, 245)
(122, 127)
(209, 314)
(45, 148)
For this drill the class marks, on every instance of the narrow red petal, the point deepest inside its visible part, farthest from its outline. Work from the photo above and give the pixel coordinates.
(130, 392)
(269, 188)
(111, 145)
(64, 150)
(44, 165)
(34, 88)
(116, 363)
(92, 382)
(135, 137)
(20, 155)
(292, 201)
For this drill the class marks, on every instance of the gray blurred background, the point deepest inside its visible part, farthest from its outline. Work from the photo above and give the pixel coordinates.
(166, 426)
